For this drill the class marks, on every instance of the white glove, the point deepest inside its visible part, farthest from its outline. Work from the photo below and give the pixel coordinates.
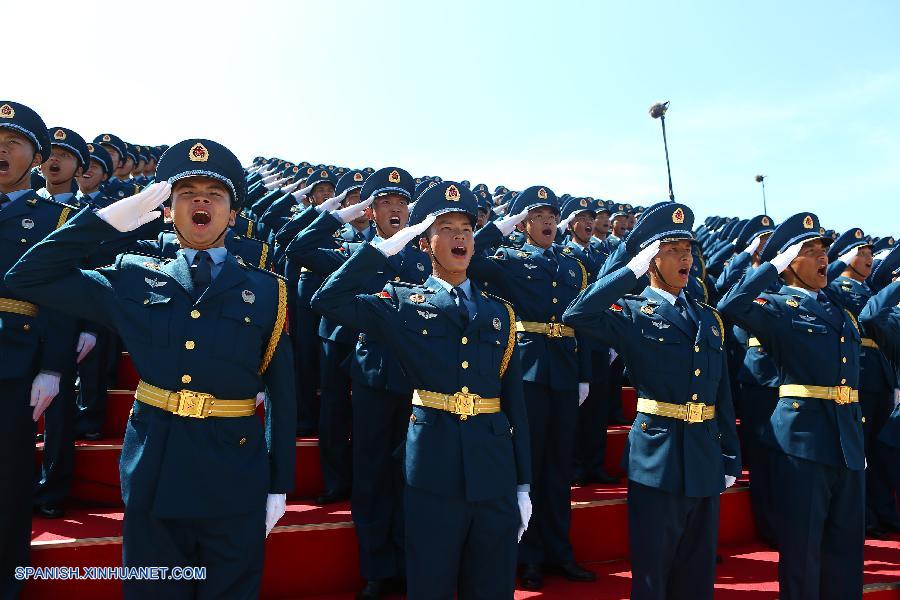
(276, 504)
(260, 398)
(290, 187)
(44, 389)
(331, 203)
(524, 501)
(729, 481)
(301, 194)
(612, 356)
(881, 255)
(781, 261)
(349, 213)
(583, 390)
(410, 206)
(130, 213)
(500, 210)
(86, 343)
(848, 257)
(564, 224)
(640, 263)
(399, 240)
(753, 245)
(507, 224)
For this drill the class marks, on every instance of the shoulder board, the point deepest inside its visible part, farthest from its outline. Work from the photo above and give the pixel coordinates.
(634, 297)
(718, 320)
(146, 261)
(53, 202)
(404, 284)
(496, 297)
(567, 250)
(705, 305)
(250, 267)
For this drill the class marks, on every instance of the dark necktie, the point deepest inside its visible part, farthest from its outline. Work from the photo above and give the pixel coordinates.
(681, 305)
(4, 199)
(461, 297)
(826, 303)
(201, 272)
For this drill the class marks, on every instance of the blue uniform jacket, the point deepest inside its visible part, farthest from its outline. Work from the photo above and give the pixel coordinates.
(666, 364)
(809, 347)
(540, 293)
(484, 456)
(172, 466)
(373, 363)
(881, 318)
(45, 342)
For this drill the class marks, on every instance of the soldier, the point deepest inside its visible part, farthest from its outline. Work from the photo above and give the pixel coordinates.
(816, 428)
(381, 388)
(850, 264)
(463, 510)
(540, 280)
(36, 343)
(682, 450)
(115, 186)
(204, 332)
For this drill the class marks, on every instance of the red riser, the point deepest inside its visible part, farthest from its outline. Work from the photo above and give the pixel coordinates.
(127, 378)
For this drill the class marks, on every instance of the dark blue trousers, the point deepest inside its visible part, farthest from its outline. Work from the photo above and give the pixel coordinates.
(380, 420)
(58, 464)
(230, 548)
(552, 420)
(454, 546)
(880, 502)
(16, 480)
(821, 529)
(758, 403)
(335, 416)
(94, 381)
(593, 416)
(306, 353)
(673, 544)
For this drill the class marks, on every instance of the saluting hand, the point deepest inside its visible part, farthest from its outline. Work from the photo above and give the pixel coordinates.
(399, 240)
(331, 204)
(783, 260)
(347, 214)
(849, 257)
(754, 245)
(130, 213)
(507, 224)
(640, 263)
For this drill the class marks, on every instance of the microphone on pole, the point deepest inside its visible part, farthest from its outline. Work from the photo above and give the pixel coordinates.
(761, 179)
(658, 111)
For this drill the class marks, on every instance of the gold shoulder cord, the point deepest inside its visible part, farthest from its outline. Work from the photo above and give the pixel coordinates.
(584, 276)
(63, 217)
(278, 328)
(721, 325)
(263, 256)
(511, 342)
(703, 287)
(853, 319)
(249, 228)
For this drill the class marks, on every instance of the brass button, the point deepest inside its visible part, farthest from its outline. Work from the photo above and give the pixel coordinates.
(863, 419)
(412, 418)
(24, 241)
(520, 336)
(662, 339)
(465, 364)
(552, 318)
(26, 327)
(809, 330)
(842, 339)
(190, 345)
(246, 319)
(795, 405)
(195, 314)
(697, 373)
(465, 389)
(843, 381)
(242, 441)
(643, 426)
(696, 348)
(843, 359)
(424, 332)
(146, 300)
(396, 279)
(554, 284)
(464, 340)
(185, 379)
(554, 301)
(693, 396)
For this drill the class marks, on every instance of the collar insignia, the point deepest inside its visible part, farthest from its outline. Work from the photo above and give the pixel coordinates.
(248, 296)
(417, 298)
(647, 309)
(792, 303)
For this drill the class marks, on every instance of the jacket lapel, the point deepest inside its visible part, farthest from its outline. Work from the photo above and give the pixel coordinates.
(668, 312)
(230, 276)
(812, 305)
(17, 208)
(179, 270)
(443, 301)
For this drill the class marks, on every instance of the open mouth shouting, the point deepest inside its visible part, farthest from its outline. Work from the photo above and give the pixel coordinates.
(459, 251)
(821, 271)
(683, 272)
(4, 167)
(200, 218)
(394, 221)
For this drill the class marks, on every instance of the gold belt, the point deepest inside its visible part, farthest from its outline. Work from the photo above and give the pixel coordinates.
(463, 404)
(18, 307)
(691, 412)
(869, 343)
(187, 403)
(841, 394)
(551, 330)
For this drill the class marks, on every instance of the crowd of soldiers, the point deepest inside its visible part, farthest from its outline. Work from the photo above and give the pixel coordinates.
(485, 336)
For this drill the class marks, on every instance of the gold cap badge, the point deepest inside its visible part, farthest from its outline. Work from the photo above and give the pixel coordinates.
(59, 134)
(542, 194)
(7, 111)
(394, 177)
(198, 153)
(808, 222)
(858, 234)
(324, 174)
(583, 202)
(106, 138)
(452, 194)
(90, 147)
(678, 216)
(766, 221)
(358, 177)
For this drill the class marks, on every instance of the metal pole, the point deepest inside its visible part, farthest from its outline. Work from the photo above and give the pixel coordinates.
(765, 211)
(662, 118)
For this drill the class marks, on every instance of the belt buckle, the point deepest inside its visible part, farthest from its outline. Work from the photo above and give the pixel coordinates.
(842, 394)
(693, 412)
(464, 405)
(192, 404)
(554, 330)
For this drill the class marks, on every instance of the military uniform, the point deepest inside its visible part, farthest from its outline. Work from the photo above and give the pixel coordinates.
(33, 339)
(208, 511)
(539, 284)
(683, 442)
(462, 463)
(816, 427)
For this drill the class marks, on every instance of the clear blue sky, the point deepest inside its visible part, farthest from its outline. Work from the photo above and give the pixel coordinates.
(514, 93)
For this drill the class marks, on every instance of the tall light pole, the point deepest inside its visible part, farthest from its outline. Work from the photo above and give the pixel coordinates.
(762, 182)
(658, 111)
